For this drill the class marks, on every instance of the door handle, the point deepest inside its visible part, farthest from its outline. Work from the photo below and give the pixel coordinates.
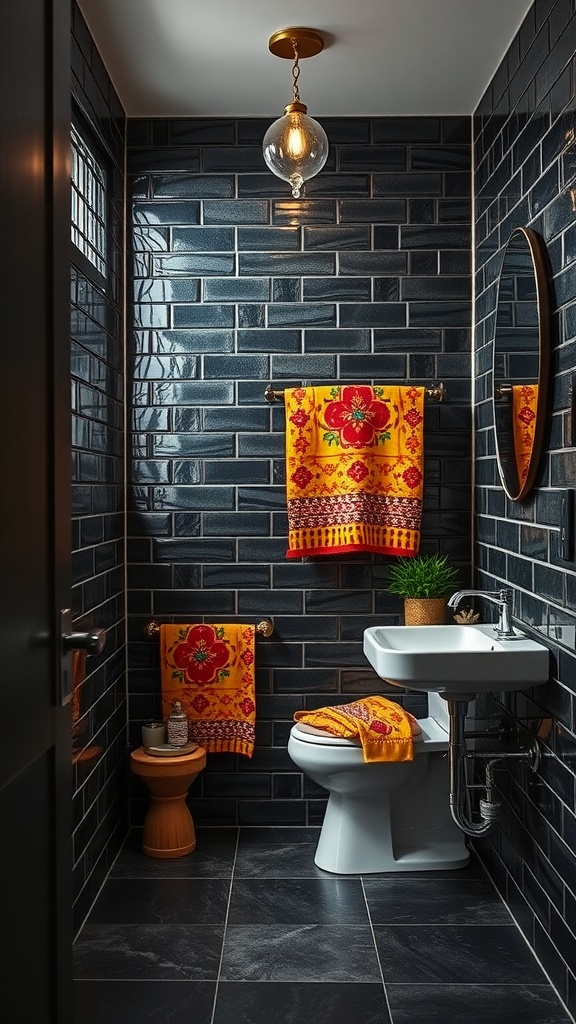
(92, 642)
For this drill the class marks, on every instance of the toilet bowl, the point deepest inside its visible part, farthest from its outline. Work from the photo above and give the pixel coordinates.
(384, 816)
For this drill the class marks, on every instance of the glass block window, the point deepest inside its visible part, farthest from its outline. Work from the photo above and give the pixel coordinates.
(88, 204)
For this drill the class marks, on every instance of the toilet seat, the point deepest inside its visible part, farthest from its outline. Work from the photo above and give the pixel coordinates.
(433, 736)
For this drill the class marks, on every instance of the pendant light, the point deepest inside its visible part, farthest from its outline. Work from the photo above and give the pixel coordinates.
(295, 146)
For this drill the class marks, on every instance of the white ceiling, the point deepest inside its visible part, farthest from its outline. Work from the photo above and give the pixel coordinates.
(381, 58)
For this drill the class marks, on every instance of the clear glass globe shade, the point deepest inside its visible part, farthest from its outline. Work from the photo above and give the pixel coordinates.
(295, 148)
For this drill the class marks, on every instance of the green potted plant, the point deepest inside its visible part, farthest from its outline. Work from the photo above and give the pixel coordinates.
(424, 582)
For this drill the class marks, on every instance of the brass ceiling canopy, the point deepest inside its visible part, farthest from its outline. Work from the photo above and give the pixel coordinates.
(309, 43)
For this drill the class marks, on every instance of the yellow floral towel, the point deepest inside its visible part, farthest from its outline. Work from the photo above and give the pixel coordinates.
(210, 670)
(384, 728)
(354, 469)
(524, 402)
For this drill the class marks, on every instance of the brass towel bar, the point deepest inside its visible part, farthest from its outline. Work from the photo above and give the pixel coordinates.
(263, 628)
(437, 393)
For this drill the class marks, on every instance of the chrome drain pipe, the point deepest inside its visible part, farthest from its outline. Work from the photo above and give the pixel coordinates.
(459, 787)
(458, 755)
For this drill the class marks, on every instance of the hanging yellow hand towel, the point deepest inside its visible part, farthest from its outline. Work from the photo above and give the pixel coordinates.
(383, 727)
(354, 469)
(210, 670)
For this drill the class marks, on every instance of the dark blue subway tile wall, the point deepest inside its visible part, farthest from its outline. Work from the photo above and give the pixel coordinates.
(97, 375)
(525, 174)
(237, 285)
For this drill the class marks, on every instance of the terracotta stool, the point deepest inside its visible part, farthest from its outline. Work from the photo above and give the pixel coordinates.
(168, 826)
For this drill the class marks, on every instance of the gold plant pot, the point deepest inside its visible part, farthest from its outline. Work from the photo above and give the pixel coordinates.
(424, 611)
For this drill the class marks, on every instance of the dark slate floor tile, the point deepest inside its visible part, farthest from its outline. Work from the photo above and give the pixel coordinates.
(324, 953)
(475, 1004)
(145, 953)
(463, 955)
(295, 1003)
(212, 858)
(154, 901)
(297, 901)
(433, 901)
(145, 1002)
(277, 853)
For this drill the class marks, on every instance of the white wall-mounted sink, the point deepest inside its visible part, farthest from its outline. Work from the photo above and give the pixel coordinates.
(456, 661)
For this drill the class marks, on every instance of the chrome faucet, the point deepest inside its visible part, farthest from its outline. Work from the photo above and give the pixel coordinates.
(502, 598)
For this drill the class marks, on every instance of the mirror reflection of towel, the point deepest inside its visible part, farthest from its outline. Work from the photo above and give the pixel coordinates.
(524, 402)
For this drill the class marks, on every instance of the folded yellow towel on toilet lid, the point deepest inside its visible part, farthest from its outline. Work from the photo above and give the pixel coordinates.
(385, 730)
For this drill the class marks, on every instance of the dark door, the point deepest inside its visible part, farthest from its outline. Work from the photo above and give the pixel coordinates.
(35, 770)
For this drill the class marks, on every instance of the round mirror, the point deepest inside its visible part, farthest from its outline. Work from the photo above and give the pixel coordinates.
(520, 361)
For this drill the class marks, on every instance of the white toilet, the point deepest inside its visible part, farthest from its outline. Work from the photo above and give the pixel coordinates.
(384, 816)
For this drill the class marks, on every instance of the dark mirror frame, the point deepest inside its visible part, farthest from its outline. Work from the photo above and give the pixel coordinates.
(514, 487)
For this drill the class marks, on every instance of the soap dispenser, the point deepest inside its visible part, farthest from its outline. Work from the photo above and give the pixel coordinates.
(177, 726)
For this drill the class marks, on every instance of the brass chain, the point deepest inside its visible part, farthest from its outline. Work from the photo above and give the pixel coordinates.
(295, 71)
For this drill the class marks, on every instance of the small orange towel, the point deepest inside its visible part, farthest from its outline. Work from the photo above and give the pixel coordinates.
(210, 670)
(383, 727)
(354, 469)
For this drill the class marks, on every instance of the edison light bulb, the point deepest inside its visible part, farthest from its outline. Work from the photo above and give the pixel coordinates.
(295, 147)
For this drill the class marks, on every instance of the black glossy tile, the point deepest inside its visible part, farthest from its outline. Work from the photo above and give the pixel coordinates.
(282, 901)
(234, 158)
(372, 211)
(287, 289)
(291, 953)
(268, 239)
(341, 289)
(442, 158)
(194, 264)
(274, 263)
(301, 211)
(434, 236)
(373, 263)
(373, 158)
(475, 1004)
(236, 290)
(374, 314)
(304, 314)
(343, 340)
(146, 952)
(224, 211)
(298, 1001)
(170, 213)
(411, 184)
(173, 1002)
(466, 955)
(337, 237)
(192, 186)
